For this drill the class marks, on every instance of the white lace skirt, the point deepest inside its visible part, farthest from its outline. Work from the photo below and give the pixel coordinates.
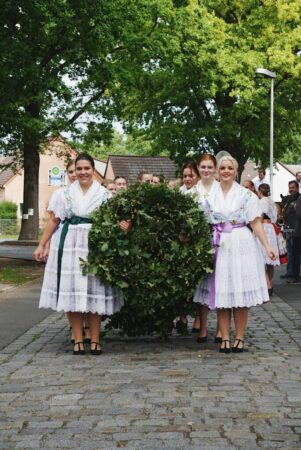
(239, 273)
(272, 240)
(78, 293)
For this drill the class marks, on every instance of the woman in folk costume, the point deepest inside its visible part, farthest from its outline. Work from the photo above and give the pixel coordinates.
(71, 175)
(206, 185)
(269, 217)
(238, 281)
(190, 178)
(65, 288)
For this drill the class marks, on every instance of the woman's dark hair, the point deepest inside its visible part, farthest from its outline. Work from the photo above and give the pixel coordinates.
(265, 189)
(192, 166)
(69, 163)
(85, 157)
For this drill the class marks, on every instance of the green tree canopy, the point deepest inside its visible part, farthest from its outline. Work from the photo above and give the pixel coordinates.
(199, 91)
(120, 144)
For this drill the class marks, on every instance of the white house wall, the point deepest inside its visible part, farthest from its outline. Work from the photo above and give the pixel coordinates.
(280, 181)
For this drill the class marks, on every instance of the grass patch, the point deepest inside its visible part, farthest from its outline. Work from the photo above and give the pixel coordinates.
(10, 275)
(17, 274)
(5, 237)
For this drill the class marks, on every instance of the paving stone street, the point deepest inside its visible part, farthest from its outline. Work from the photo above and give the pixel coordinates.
(146, 393)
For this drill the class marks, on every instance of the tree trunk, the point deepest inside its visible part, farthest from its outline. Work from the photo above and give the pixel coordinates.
(30, 219)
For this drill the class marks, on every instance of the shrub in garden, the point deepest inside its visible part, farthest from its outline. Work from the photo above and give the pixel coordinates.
(158, 263)
(8, 210)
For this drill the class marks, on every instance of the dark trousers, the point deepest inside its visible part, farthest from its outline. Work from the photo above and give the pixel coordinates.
(296, 252)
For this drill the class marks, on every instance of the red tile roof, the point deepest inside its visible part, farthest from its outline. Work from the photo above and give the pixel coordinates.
(7, 173)
(130, 166)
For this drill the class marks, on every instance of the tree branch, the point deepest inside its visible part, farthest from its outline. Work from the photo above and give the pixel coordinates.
(83, 109)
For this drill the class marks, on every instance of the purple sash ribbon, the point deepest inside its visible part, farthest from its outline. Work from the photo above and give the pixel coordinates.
(218, 229)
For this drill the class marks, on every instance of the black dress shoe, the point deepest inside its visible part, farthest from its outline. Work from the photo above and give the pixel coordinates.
(201, 339)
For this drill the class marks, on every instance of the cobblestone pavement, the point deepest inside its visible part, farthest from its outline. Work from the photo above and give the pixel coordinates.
(145, 393)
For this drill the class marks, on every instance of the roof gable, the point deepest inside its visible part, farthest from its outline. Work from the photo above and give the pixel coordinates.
(6, 173)
(130, 166)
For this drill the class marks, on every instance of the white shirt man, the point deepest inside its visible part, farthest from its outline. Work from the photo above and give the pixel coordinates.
(260, 179)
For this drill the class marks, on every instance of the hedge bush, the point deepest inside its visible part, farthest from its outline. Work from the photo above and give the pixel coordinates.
(158, 263)
(8, 210)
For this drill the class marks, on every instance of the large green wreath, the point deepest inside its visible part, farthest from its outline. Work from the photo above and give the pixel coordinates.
(158, 263)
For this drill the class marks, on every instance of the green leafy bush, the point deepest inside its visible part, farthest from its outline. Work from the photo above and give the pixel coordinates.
(8, 210)
(158, 263)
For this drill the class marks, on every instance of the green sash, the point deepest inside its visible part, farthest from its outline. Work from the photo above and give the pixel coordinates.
(75, 220)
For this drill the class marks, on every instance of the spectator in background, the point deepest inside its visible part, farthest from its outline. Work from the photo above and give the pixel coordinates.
(121, 183)
(269, 217)
(248, 184)
(289, 204)
(157, 179)
(175, 183)
(260, 179)
(144, 177)
(112, 188)
(298, 179)
(296, 250)
(190, 178)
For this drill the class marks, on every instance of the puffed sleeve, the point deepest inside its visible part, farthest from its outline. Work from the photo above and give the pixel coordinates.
(52, 205)
(57, 204)
(252, 207)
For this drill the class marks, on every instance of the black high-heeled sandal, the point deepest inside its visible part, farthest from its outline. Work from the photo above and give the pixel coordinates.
(218, 340)
(97, 350)
(236, 348)
(201, 339)
(79, 350)
(225, 349)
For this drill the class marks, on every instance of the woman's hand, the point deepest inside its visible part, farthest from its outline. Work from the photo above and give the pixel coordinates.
(125, 225)
(271, 252)
(46, 251)
(39, 253)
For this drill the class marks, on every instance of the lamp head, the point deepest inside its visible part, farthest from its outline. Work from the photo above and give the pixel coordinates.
(266, 73)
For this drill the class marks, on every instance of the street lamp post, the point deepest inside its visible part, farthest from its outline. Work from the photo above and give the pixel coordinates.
(272, 75)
